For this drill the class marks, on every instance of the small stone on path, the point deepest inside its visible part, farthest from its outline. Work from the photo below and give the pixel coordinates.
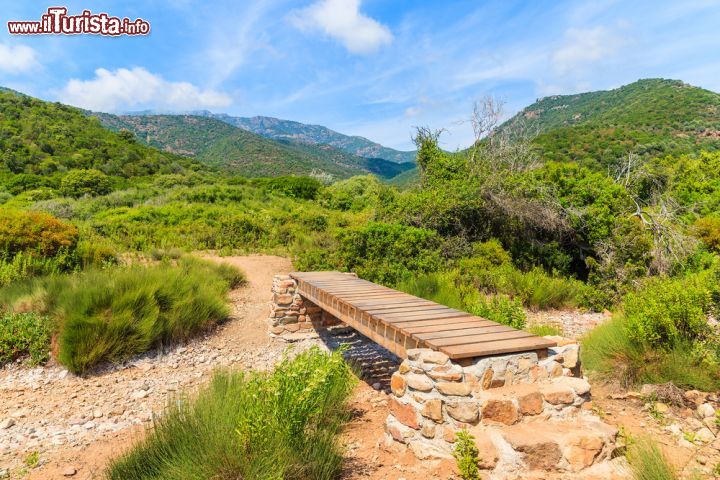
(69, 471)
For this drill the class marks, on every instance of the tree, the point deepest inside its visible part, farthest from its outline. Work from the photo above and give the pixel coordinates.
(78, 183)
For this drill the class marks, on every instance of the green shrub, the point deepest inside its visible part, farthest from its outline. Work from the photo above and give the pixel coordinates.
(305, 188)
(24, 334)
(34, 232)
(666, 311)
(388, 253)
(78, 183)
(112, 314)
(707, 229)
(281, 425)
(466, 456)
(498, 308)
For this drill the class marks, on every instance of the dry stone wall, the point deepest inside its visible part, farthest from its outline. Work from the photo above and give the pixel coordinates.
(290, 312)
(508, 402)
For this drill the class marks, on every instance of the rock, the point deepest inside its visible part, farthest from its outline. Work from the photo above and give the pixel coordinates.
(283, 299)
(404, 413)
(432, 409)
(582, 451)
(705, 410)
(7, 423)
(398, 384)
(397, 430)
(704, 435)
(446, 373)
(558, 394)
(428, 430)
(701, 460)
(431, 356)
(140, 394)
(89, 425)
(453, 388)
(377, 386)
(488, 457)
(579, 385)
(648, 389)
(404, 367)
(414, 353)
(540, 450)
(499, 411)
(487, 378)
(530, 403)
(69, 471)
(4, 473)
(554, 369)
(425, 450)
(662, 407)
(465, 411)
(419, 382)
(97, 413)
(695, 396)
(570, 358)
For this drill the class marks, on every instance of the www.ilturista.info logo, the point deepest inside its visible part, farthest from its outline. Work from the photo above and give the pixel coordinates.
(57, 22)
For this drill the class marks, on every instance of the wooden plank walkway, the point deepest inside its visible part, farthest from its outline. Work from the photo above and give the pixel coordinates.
(399, 321)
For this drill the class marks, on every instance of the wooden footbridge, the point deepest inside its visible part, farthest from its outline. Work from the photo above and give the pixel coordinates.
(399, 321)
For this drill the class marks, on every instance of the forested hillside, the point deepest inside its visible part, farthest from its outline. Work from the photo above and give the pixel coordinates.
(314, 134)
(652, 117)
(40, 142)
(220, 144)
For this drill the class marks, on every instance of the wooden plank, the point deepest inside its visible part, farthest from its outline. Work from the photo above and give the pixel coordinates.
(439, 313)
(396, 319)
(441, 332)
(419, 308)
(433, 325)
(448, 322)
(424, 303)
(494, 348)
(479, 339)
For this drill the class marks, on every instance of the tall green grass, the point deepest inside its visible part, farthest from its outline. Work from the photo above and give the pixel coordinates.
(113, 314)
(647, 461)
(610, 351)
(259, 426)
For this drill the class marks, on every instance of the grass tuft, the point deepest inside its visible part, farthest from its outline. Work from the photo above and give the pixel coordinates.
(281, 425)
(647, 461)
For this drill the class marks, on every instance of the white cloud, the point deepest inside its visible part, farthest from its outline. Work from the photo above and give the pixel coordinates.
(137, 88)
(17, 59)
(342, 20)
(585, 46)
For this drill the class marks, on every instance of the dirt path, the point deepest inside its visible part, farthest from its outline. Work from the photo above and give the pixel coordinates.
(79, 423)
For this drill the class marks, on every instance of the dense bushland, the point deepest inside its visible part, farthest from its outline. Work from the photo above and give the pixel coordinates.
(660, 334)
(278, 425)
(112, 314)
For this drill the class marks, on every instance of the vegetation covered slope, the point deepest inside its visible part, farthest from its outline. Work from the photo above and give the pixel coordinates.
(651, 117)
(48, 139)
(315, 134)
(220, 144)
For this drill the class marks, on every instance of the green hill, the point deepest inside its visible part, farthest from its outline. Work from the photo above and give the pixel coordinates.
(297, 132)
(220, 144)
(649, 117)
(46, 139)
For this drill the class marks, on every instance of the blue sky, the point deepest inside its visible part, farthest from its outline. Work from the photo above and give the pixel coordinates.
(373, 68)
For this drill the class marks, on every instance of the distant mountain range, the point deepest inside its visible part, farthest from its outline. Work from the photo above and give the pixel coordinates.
(219, 143)
(297, 132)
